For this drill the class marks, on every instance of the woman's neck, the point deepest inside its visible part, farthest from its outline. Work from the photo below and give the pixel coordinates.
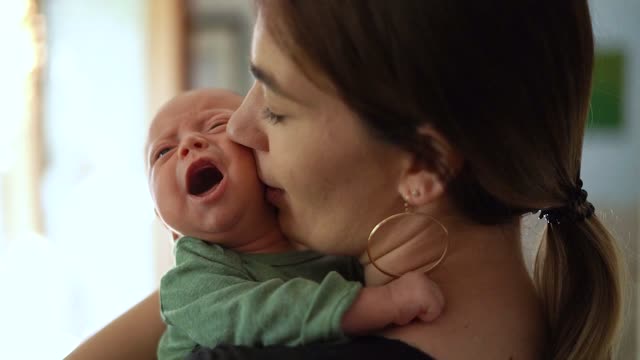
(491, 307)
(468, 246)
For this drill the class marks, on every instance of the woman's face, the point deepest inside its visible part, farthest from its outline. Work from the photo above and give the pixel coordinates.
(330, 178)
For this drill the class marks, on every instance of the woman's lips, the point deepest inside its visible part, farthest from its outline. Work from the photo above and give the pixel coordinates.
(275, 196)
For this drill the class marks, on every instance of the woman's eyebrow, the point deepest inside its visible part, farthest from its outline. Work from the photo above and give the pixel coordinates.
(269, 81)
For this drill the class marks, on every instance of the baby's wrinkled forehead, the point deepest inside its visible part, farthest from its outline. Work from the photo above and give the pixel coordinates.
(166, 120)
(193, 106)
(164, 124)
(190, 109)
(201, 99)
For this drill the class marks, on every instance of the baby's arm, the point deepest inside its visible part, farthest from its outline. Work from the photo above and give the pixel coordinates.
(211, 300)
(411, 296)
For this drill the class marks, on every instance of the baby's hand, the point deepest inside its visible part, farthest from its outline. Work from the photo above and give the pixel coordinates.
(414, 295)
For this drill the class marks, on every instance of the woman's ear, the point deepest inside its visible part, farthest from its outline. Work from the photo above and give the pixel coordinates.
(421, 183)
(420, 186)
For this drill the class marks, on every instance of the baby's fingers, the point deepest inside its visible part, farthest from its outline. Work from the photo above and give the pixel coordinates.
(434, 303)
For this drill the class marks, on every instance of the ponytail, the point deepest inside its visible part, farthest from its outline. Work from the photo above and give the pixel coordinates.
(578, 276)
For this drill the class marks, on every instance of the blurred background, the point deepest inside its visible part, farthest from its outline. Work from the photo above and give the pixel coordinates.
(80, 79)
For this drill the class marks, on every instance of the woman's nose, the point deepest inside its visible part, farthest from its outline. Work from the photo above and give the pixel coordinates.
(244, 126)
(192, 143)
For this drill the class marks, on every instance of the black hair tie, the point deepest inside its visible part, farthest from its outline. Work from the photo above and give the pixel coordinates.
(577, 210)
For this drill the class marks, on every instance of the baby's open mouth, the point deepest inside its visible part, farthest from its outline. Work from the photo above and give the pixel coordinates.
(202, 176)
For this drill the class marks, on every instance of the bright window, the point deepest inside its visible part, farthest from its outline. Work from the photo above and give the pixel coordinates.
(75, 221)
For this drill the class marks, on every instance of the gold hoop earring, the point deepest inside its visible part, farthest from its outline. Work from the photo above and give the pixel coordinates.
(407, 212)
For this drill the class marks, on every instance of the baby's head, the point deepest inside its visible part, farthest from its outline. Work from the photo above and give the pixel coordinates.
(203, 184)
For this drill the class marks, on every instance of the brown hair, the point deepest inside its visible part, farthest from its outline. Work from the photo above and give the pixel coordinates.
(507, 83)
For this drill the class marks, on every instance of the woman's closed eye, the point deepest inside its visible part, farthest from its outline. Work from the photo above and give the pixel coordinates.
(269, 115)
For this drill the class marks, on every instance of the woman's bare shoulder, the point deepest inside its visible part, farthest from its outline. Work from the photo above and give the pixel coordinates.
(503, 321)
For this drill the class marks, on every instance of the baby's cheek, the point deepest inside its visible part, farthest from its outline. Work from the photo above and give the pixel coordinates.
(237, 149)
(245, 159)
(161, 194)
(153, 189)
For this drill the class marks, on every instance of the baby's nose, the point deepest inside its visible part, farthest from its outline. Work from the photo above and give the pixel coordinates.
(192, 143)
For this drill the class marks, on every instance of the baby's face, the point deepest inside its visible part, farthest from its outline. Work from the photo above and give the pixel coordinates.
(201, 182)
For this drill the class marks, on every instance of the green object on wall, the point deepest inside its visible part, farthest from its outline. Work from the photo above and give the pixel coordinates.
(608, 91)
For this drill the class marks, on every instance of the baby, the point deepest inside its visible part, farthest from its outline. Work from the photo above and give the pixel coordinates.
(237, 280)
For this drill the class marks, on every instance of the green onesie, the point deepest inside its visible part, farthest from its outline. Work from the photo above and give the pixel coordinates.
(214, 295)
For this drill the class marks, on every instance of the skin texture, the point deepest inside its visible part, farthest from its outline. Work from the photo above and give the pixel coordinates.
(332, 181)
(191, 128)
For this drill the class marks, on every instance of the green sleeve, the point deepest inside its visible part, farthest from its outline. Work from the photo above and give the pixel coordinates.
(215, 301)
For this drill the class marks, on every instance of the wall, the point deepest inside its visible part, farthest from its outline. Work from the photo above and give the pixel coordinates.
(611, 167)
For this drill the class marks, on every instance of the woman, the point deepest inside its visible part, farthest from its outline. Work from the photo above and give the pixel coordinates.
(472, 113)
